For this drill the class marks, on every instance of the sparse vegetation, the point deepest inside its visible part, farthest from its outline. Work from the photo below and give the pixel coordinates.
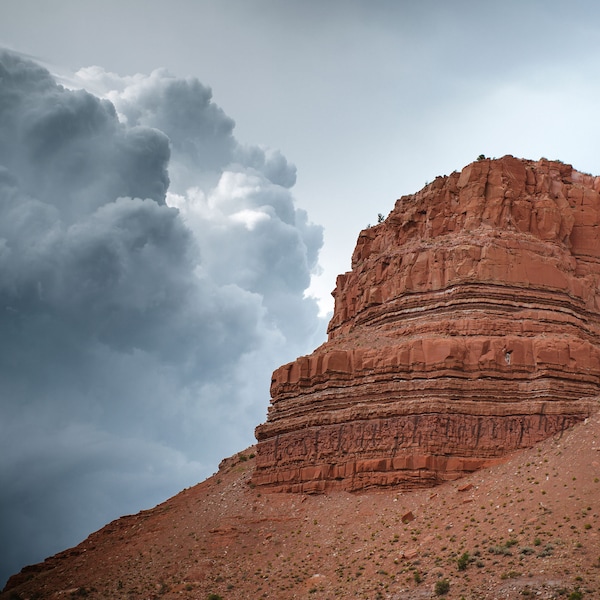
(287, 546)
(442, 587)
(500, 550)
(547, 550)
(463, 561)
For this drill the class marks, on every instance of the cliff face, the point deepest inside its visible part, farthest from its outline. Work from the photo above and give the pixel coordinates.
(469, 327)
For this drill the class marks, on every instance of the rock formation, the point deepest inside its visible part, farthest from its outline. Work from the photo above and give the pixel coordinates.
(468, 328)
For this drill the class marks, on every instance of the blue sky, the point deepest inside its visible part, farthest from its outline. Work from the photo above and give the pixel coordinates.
(242, 145)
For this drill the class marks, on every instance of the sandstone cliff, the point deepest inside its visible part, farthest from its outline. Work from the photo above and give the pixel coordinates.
(468, 327)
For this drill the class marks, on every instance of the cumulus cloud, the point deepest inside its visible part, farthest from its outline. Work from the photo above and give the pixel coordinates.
(153, 272)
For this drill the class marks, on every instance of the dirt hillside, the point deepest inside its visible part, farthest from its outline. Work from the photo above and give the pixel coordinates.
(529, 527)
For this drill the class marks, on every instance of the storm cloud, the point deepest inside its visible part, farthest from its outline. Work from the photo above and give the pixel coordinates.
(153, 273)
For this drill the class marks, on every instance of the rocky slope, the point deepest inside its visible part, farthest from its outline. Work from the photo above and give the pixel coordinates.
(529, 527)
(469, 327)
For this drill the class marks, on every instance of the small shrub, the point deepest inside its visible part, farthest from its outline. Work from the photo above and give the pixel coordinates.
(163, 589)
(546, 551)
(442, 587)
(417, 577)
(463, 561)
(212, 596)
(576, 595)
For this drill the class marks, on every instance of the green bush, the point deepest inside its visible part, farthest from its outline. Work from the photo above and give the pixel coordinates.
(463, 561)
(547, 550)
(442, 587)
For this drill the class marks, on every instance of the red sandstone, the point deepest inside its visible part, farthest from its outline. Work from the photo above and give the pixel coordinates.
(469, 327)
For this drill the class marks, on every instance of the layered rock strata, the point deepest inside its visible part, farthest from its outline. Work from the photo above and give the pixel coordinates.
(468, 328)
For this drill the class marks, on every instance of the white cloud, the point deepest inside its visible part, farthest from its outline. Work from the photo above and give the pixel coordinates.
(250, 218)
(152, 275)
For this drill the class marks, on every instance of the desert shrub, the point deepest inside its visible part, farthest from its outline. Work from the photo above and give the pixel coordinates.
(442, 587)
(547, 550)
(463, 561)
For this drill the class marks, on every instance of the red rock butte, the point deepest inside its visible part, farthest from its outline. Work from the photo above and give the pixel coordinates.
(468, 328)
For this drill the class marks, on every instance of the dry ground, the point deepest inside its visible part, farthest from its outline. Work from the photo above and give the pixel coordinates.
(529, 528)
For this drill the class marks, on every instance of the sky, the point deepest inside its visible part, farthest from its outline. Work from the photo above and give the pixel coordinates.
(181, 183)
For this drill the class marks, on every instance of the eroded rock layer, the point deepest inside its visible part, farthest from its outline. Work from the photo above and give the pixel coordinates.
(468, 328)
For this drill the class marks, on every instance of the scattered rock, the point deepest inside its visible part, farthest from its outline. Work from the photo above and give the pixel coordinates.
(410, 553)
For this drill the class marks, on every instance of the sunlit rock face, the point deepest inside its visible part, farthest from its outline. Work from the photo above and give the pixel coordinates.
(468, 328)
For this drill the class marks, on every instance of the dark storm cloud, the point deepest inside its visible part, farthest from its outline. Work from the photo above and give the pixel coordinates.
(239, 206)
(152, 275)
(200, 133)
(67, 148)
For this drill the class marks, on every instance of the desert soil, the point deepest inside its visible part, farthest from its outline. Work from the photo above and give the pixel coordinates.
(528, 528)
